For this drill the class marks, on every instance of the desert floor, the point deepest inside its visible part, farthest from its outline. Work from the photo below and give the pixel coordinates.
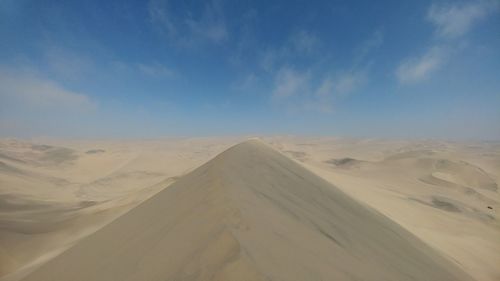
(55, 192)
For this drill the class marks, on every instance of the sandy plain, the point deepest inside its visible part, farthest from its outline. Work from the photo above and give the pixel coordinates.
(441, 196)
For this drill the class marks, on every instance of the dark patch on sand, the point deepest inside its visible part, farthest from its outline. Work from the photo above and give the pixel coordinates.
(9, 203)
(452, 206)
(444, 205)
(59, 155)
(345, 162)
(95, 151)
(7, 157)
(341, 161)
(85, 204)
(9, 169)
(41, 147)
(439, 203)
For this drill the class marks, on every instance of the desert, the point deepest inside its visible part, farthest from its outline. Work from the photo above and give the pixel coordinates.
(434, 194)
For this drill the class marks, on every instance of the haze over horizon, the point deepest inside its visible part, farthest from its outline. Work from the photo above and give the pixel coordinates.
(427, 69)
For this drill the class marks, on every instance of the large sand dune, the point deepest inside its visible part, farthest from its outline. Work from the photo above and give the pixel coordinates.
(54, 192)
(250, 214)
(443, 192)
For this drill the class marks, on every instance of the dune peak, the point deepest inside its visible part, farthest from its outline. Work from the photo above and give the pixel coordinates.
(251, 213)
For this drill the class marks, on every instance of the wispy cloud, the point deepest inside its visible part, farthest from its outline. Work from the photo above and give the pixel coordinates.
(332, 88)
(210, 25)
(159, 14)
(299, 91)
(452, 21)
(156, 70)
(187, 29)
(419, 68)
(247, 82)
(290, 82)
(455, 20)
(301, 43)
(347, 83)
(28, 90)
(268, 59)
(68, 65)
(368, 46)
(305, 42)
(314, 87)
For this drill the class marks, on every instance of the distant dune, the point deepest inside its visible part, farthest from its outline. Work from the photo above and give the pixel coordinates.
(250, 214)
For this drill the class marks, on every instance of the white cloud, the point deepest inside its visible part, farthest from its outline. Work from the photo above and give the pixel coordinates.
(156, 70)
(268, 60)
(304, 42)
(326, 88)
(454, 20)
(187, 29)
(341, 85)
(68, 65)
(27, 90)
(349, 82)
(301, 43)
(247, 82)
(307, 87)
(417, 69)
(333, 88)
(299, 91)
(211, 25)
(322, 99)
(159, 14)
(372, 43)
(289, 82)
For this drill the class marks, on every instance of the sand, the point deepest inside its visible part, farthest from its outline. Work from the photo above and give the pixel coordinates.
(251, 213)
(446, 193)
(54, 193)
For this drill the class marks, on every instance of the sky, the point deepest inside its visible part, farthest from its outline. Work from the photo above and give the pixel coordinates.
(145, 69)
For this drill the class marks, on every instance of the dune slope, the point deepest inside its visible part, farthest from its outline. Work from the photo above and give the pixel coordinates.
(250, 214)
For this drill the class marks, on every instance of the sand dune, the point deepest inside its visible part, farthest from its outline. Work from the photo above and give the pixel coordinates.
(53, 193)
(250, 214)
(443, 192)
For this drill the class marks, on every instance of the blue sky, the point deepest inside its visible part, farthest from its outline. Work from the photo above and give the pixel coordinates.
(426, 69)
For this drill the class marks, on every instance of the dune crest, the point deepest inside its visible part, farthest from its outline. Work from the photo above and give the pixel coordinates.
(250, 214)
